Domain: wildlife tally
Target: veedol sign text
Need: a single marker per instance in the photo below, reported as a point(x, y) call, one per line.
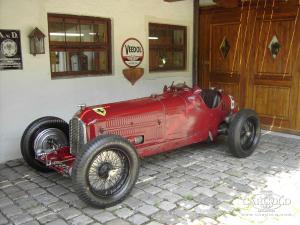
point(132, 52)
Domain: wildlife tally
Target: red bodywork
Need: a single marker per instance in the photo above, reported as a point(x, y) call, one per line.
point(176, 118)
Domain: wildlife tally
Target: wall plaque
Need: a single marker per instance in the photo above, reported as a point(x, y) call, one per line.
point(132, 52)
point(10, 50)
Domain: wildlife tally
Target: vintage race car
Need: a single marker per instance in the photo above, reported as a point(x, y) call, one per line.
point(101, 146)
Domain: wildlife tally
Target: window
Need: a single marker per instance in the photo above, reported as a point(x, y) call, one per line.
point(79, 45)
point(167, 47)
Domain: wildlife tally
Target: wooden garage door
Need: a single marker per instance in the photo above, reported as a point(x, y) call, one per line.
point(225, 70)
point(252, 52)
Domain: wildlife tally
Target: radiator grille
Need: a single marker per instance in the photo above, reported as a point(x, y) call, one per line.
point(77, 135)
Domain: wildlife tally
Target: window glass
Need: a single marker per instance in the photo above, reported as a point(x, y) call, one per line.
point(72, 32)
point(56, 31)
point(58, 61)
point(178, 59)
point(178, 37)
point(103, 60)
point(167, 47)
point(87, 31)
point(79, 45)
point(93, 32)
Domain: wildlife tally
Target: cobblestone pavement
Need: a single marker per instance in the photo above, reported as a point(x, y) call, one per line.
point(199, 184)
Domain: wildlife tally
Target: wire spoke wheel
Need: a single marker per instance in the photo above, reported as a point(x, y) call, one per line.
point(108, 172)
point(105, 171)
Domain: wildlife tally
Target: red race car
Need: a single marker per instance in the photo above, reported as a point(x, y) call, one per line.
point(101, 146)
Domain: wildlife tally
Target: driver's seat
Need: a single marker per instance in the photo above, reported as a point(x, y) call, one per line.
point(211, 97)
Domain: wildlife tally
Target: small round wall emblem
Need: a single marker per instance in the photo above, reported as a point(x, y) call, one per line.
point(9, 48)
point(132, 52)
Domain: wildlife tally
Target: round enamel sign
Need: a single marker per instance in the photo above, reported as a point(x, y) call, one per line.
point(132, 52)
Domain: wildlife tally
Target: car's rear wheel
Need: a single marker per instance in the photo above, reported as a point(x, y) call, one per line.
point(244, 133)
point(42, 134)
point(106, 171)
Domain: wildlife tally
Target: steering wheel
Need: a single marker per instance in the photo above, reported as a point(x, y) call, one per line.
point(180, 86)
point(176, 87)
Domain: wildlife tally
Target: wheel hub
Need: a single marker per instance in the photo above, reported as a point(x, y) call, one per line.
point(248, 134)
point(49, 139)
point(104, 169)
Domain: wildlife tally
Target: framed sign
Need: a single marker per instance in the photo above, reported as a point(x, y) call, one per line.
point(10, 50)
point(132, 52)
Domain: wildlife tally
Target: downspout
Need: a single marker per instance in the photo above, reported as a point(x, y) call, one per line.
point(195, 42)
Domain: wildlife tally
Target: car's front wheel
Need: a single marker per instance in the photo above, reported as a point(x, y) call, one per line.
point(244, 133)
point(43, 134)
point(105, 171)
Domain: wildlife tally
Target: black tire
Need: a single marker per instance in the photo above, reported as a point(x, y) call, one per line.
point(85, 171)
point(30, 134)
point(244, 133)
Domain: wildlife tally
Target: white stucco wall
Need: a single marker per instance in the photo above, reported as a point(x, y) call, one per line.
point(30, 93)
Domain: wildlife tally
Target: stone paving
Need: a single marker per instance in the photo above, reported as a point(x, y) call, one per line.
point(199, 184)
